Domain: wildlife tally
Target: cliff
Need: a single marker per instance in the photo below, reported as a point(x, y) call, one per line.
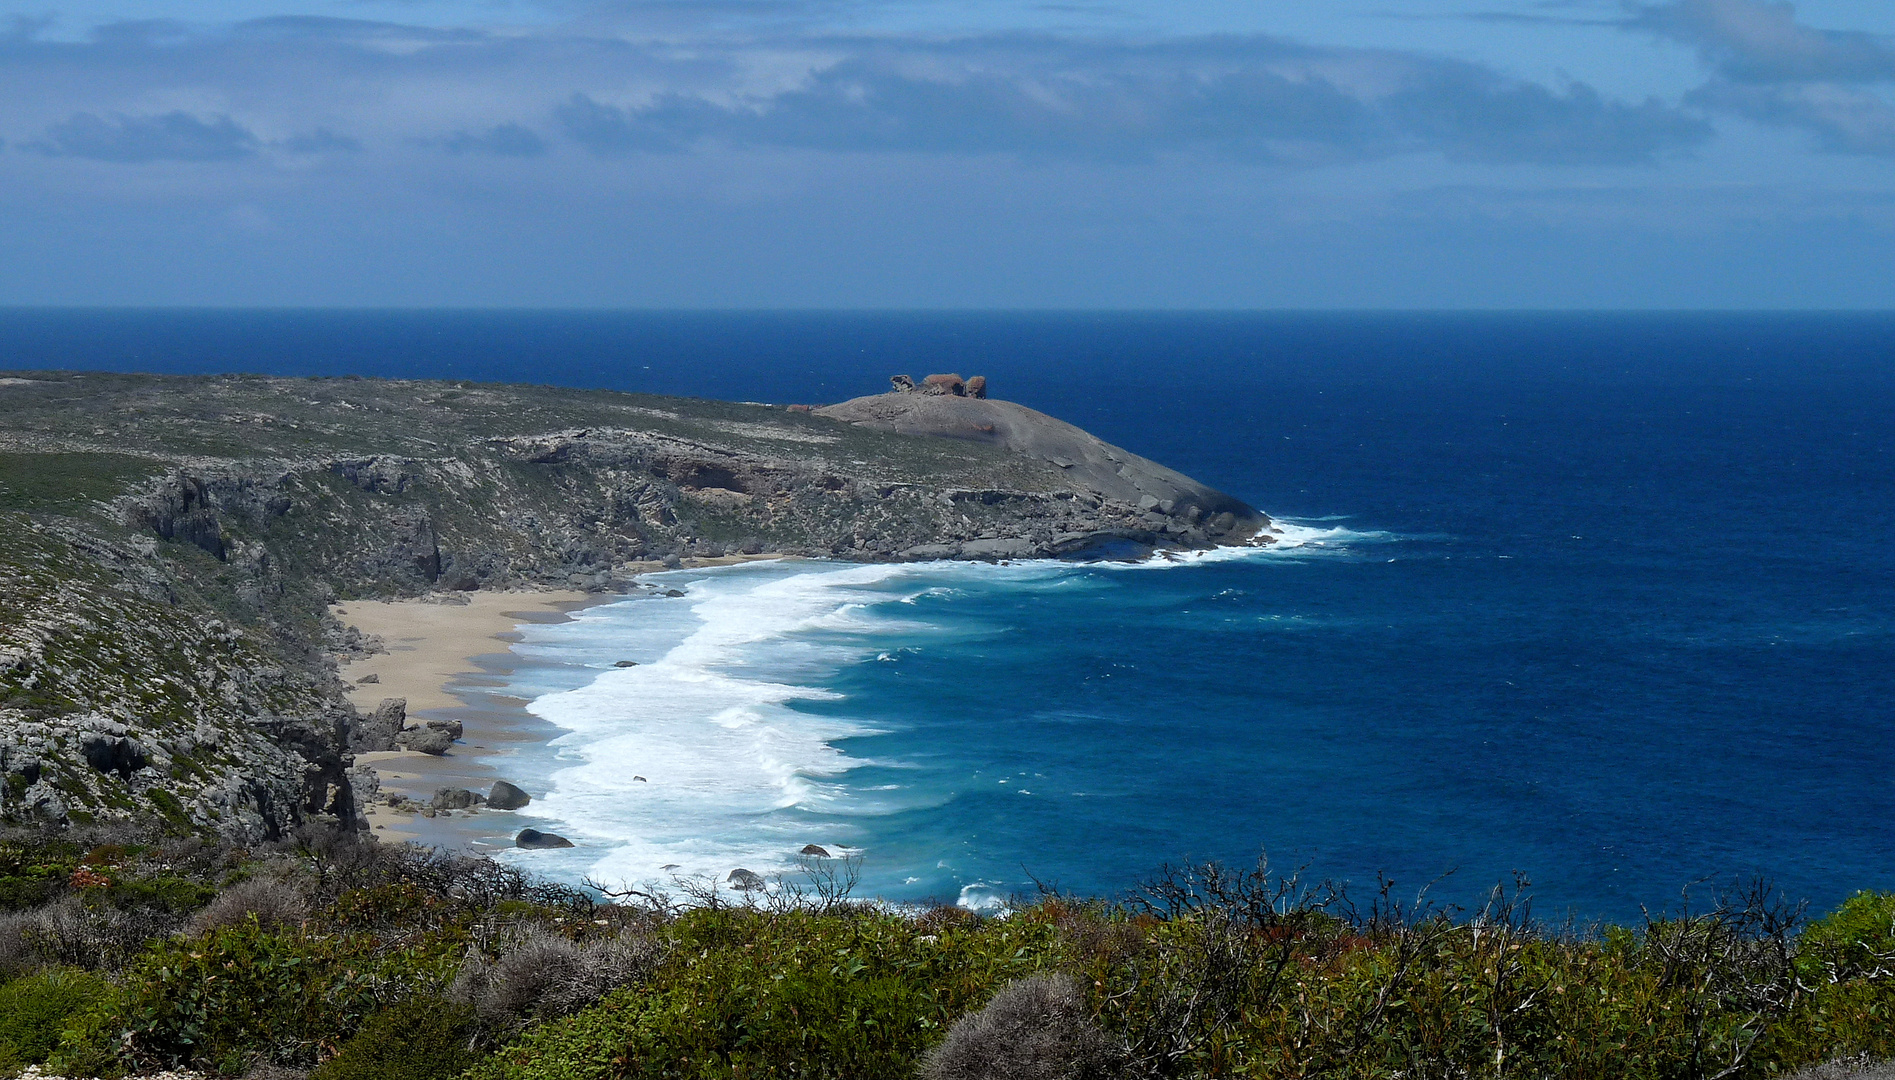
point(168, 545)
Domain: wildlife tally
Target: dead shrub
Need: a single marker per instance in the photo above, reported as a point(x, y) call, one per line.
point(16, 949)
point(272, 901)
point(540, 974)
point(1036, 1028)
point(68, 933)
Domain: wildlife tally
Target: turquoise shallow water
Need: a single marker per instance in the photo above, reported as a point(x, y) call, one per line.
point(1605, 600)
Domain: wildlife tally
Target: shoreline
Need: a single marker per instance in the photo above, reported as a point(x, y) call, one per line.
point(438, 647)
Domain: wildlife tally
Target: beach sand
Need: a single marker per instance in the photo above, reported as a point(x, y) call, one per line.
point(434, 642)
point(440, 641)
point(431, 641)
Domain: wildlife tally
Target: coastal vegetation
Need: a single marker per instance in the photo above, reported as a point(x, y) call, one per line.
point(186, 882)
point(336, 958)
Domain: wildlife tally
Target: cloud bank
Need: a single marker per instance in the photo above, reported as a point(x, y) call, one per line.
point(763, 154)
point(1253, 98)
point(1769, 67)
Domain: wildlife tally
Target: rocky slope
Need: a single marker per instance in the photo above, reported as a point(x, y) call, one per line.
point(168, 546)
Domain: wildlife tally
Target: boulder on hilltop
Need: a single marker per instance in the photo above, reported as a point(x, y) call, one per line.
point(1090, 464)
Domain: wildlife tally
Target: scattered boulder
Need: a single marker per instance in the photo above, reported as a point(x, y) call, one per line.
point(113, 754)
point(379, 730)
point(425, 740)
point(674, 593)
point(817, 850)
point(977, 386)
point(745, 880)
point(626, 663)
point(641, 779)
point(505, 796)
point(537, 840)
point(453, 727)
point(455, 799)
point(944, 386)
point(368, 680)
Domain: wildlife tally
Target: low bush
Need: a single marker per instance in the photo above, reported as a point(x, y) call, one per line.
point(849, 994)
point(426, 1038)
point(247, 989)
point(35, 1011)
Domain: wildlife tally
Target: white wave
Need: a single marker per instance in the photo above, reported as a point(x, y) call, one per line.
point(1284, 537)
point(732, 774)
point(983, 897)
point(704, 757)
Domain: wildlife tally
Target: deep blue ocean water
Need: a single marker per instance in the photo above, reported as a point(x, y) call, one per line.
point(1605, 599)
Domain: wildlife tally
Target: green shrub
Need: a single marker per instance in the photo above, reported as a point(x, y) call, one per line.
point(247, 988)
point(35, 1010)
point(1857, 939)
point(425, 1038)
point(745, 994)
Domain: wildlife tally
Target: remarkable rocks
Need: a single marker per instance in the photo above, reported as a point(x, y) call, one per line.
point(1163, 506)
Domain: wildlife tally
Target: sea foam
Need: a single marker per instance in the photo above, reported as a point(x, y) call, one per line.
point(732, 774)
point(707, 755)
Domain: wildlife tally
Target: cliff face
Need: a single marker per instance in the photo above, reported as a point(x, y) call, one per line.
point(168, 546)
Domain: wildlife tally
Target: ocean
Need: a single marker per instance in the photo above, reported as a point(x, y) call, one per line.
point(1603, 600)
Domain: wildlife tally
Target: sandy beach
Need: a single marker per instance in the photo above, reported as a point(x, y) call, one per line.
point(437, 641)
point(433, 641)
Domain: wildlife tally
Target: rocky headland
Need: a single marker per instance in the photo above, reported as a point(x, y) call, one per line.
point(170, 547)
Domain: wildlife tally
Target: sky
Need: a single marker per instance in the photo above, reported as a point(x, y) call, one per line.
point(1130, 154)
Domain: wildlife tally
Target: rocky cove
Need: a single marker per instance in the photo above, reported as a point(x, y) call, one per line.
point(172, 546)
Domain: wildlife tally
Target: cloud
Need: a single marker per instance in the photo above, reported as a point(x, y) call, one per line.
point(501, 140)
point(1769, 68)
point(1844, 119)
point(173, 136)
point(1471, 114)
point(1755, 41)
point(1256, 99)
